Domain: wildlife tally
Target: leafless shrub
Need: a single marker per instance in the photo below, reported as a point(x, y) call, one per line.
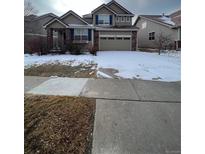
point(163, 42)
point(35, 45)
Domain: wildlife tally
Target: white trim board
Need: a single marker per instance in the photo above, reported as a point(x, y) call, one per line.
point(115, 36)
point(115, 29)
point(55, 19)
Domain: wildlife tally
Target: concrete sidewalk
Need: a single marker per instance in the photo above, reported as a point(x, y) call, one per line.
point(31, 82)
point(135, 90)
point(132, 116)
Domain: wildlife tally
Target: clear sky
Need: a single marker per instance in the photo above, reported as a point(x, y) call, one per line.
point(82, 7)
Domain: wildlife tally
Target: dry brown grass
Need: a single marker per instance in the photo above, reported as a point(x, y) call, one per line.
point(47, 70)
point(58, 125)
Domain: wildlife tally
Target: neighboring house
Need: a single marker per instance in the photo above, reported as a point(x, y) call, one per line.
point(27, 23)
point(35, 36)
point(151, 26)
point(108, 27)
point(34, 24)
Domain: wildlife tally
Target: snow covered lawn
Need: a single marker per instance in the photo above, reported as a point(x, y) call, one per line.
point(141, 65)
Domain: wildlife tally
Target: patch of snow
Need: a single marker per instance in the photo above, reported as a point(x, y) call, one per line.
point(167, 20)
point(171, 53)
point(55, 76)
point(70, 60)
point(101, 74)
point(141, 65)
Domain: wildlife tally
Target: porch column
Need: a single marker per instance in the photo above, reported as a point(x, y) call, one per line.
point(49, 39)
point(92, 37)
point(60, 38)
point(134, 40)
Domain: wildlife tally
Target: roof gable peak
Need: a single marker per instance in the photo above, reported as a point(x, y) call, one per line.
point(120, 6)
point(53, 20)
point(70, 12)
point(101, 6)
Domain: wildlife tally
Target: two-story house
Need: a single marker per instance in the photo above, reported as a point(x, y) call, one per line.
point(108, 27)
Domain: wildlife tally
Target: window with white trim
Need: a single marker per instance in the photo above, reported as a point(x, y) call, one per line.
point(122, 19)
point(103, 19)
point(81, 34)
point(118, 19)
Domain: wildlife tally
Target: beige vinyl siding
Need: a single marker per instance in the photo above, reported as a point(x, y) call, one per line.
point(89, 20)
point(56, 24)
point(117, 9)
point(143, 33)
point(71, 19)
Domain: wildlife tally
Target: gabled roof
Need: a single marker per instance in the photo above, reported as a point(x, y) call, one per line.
point(105, 6)
point(30, 17)
point(120, 6)
point(176, 13)
point(160, 19)
point(176, 17)
point(75, 14)
point(46, 15)
point(53, 20)
point(87, 15)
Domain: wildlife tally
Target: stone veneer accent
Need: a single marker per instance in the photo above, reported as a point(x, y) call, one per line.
point(134, 40)
point(96, 40)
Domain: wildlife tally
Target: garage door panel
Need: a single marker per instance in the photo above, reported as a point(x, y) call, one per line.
point(111, 43)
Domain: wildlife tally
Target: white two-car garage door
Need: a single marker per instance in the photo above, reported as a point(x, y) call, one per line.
point(115, 43)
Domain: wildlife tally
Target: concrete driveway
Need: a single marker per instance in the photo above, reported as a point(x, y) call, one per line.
point(134, 127)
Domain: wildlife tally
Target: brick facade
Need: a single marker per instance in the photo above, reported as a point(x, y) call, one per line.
point(134, 40)
point(96, 40)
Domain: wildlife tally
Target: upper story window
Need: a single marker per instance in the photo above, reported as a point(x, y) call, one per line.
point(128, 19)
point(103, 19)
point(123, 19)
point(152, 36)
point(118, 19)
point(80, 34)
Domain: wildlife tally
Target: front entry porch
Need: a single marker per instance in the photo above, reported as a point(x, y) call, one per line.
point(59, 43)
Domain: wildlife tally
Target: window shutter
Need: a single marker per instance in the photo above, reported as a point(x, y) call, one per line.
point(89, 34)
point(72, 34)
point(110, 19)
point(96, 19)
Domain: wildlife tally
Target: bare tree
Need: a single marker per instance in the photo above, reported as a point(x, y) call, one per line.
point(163, 42)
point(29, 8)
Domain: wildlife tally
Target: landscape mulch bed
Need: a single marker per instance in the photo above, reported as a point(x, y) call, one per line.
point(58, 125)
point(47, 70)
